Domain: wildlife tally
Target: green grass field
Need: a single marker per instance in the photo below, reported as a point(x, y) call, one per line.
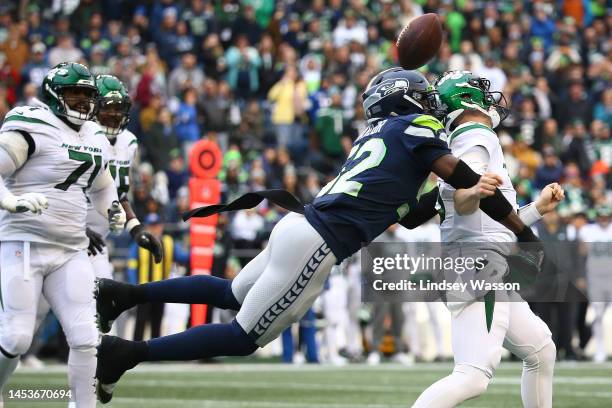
point(356, 386)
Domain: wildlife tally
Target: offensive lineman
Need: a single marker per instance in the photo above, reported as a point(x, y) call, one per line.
point(471, 115)
point(377, 186)
point(112, 115)
point(50, 157)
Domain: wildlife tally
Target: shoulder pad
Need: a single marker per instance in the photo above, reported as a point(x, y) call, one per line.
point(423, 126)
point(474, 128)
point(28, 117)
point(130, 138)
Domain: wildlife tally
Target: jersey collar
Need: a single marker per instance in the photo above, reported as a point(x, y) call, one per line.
point(464, 127)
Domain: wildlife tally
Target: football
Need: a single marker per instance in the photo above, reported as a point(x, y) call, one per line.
point(419, 41)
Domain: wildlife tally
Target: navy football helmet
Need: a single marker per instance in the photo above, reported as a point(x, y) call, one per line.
point(396, 92)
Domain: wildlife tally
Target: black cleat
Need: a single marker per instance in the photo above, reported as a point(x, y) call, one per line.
point(112, 298)
point(115, 357)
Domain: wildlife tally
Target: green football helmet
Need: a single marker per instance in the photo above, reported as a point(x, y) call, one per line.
point(462, 90)
point(70, 92)
point(113, 105)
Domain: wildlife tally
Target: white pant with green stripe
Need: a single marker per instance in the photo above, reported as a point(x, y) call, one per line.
point(66, 278)
point(477, 354)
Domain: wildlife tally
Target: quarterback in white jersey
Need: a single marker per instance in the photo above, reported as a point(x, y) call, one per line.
point(477, 344)
point(596, 244)
point(112, 116)
point(51, 156)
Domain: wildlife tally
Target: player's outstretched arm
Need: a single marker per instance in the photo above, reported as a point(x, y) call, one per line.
point(143, 238)
point(547, 201)
point(14, 152)
point(459, 175)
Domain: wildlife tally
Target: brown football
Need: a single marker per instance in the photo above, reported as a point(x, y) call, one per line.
point(419, 41)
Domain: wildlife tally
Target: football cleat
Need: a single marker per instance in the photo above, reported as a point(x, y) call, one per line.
point(112, 299)
point(115, 357)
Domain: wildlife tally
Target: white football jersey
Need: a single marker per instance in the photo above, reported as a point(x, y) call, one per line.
point(599, 245)
point(476, 227)
point(62, 166)
point(121, 156)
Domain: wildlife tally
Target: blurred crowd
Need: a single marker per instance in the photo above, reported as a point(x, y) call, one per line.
point(277, 85)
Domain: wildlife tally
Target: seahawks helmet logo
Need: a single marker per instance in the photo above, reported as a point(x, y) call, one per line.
point(390, 86)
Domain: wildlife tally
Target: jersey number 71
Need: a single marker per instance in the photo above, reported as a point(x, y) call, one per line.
point(88, 161)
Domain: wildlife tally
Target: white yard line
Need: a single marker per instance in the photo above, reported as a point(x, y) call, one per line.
point(277, 367)
point(186, 403)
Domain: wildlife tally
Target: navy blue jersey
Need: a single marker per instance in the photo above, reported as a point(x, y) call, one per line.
point(379, 182)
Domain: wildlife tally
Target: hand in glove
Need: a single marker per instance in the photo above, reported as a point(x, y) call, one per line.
point(531, 250)
point(34, 202)
point(96, 242)
point(116, 218)
point(147, 241)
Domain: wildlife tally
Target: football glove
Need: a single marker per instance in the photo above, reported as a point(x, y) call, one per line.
point(116, 218)
point(34, 202)
point(96, 242)
point(531, 251)
point(147, 241)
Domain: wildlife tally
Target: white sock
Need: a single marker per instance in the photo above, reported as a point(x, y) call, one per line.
point(464, 383)
point(537, 379)
point(81, 373)
point(7, 367)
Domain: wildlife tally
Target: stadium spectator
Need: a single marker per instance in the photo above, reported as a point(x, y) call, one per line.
point(15, 47)
point(160, 140)
point(186, 122)
point(242, 63)
point(65, 50)
point(186, 75)
point(550, 171)
point(245, 229)
point(288, 97)
point(37, 67)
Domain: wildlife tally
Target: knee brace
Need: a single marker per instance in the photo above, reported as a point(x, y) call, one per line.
point(543, 359)
point(474, 381)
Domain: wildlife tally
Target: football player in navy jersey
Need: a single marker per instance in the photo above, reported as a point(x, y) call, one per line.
point(377, 187)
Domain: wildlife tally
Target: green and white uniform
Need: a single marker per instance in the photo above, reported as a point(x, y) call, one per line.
point(122, 155)
point(62, 164)
point(474, 143)
point(120, 159)
point(478, 340)
point(46, 254)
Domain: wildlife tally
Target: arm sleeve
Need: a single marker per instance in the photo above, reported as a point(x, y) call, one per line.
point(529, 214)
point(7, 168)
point(423, 212)
point(14, 150)
point(103, 192)
point(19, 145)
